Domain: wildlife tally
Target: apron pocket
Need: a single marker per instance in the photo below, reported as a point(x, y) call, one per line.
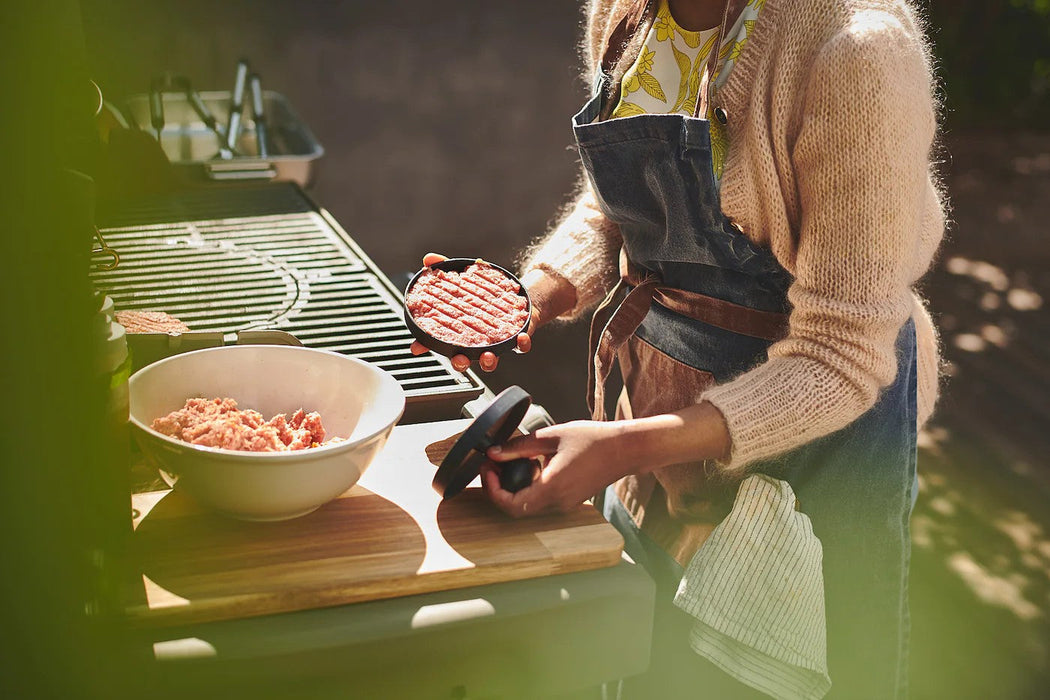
point(657, 383)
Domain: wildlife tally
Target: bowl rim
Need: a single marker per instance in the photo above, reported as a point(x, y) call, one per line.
point(318, 451)
point(472, 351)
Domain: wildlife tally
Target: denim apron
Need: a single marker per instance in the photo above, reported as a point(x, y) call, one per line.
point(720, 302)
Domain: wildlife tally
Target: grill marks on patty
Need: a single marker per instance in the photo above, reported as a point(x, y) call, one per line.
point(480, 306)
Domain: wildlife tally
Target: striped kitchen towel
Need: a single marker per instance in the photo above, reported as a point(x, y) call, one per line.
point(757, 593)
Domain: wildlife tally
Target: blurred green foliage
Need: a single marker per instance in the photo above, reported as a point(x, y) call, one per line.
point(993, 60)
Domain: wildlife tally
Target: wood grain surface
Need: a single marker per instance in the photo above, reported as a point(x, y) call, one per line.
point(390, 535)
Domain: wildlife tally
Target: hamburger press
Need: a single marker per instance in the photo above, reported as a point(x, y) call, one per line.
point(494, 426)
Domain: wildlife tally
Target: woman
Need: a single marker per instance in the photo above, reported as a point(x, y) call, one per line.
point(763, 191)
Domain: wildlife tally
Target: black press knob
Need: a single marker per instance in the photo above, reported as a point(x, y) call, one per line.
point(516, 474)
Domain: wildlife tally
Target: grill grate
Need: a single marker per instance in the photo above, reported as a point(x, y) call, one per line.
point(289, 271)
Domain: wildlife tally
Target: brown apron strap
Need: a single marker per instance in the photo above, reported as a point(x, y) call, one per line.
point(623, 33)
point(609, 332)
point(767, 325)
point(723, 314)
point(599, 322)
point(705, 95)
point(618, 317)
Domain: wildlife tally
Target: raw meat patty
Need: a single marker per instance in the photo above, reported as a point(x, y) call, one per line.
point(479, 306)
point(150, 322)
point(219, 423)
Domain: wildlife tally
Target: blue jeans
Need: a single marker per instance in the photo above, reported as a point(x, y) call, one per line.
point(858, 486)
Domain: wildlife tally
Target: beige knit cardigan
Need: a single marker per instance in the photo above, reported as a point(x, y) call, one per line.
point(832, 119)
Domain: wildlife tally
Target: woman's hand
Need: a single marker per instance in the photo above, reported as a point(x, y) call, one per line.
point(583, 457)
point(551, 296)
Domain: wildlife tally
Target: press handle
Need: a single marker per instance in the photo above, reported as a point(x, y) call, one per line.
point(516, 474)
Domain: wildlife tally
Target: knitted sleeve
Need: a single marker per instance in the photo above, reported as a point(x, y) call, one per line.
point(861, 159)
point(584, 249)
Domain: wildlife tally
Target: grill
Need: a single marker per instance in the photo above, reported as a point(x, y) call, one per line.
point(264, 257)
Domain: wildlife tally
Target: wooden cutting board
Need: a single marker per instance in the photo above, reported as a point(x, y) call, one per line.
point(388, 536)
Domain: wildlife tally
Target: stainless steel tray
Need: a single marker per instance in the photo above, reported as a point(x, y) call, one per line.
point(189, 143)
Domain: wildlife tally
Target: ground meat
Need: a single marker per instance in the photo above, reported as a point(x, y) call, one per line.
point(480, 306)
point(219, 423)
point(150, 322)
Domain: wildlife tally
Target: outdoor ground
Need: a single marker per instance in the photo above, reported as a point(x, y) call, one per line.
point(981, 529)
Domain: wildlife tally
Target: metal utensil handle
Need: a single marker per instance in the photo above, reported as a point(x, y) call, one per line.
point(259, 116)
point(156, 106)
point(104, 249)
point(201, 109)
point(233, 128)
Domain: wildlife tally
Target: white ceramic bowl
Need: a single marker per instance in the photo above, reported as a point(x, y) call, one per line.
point(357, 401)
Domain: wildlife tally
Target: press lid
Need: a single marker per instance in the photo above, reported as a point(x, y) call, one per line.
point(494, 426)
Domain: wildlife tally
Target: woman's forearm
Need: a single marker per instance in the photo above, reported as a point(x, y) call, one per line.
point(697, 432)
point(552, 295)
point(583, 457)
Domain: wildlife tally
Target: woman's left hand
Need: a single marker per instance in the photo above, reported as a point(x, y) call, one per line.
point(582, 458)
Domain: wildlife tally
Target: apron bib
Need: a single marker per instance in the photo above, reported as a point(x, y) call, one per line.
point(698, 303)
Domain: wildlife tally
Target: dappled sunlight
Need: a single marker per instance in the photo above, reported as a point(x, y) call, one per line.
point(994, 334)
point(1030, 165)
point(994, 292)
point(1024, 299)
point(1005, 592)
point(942, 506)
point(1001, 555)
point(990, 302)
point(985, 562)
point(931, 437)
point(970, 342)
point(1029, 537)
point(988, 334)
point(981, 528)
point(990, 274)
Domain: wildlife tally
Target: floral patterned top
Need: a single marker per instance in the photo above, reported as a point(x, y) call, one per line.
point(666, 75)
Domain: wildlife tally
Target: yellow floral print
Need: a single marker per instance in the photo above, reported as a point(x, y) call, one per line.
point(662, 25)
point(673, 55)
point(639, 77)
point(645, 60)
point(738, 46)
